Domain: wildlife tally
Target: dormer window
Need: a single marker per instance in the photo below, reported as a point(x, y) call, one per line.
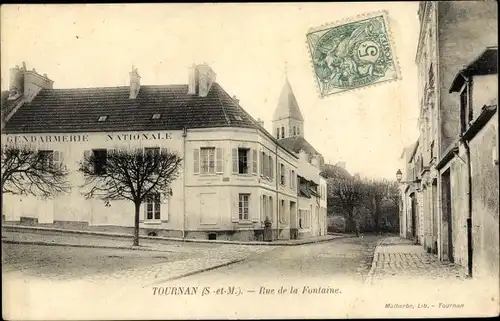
point(237, 117)
point(102, 119)
point(156, 116)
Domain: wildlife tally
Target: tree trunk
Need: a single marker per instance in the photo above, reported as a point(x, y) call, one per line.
point(136, 223)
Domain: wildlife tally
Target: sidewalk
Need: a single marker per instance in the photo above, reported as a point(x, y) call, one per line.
point(126, 238)
point(399, 260)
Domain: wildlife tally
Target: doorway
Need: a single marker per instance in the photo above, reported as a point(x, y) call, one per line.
point(413, 216)
point(447, 216)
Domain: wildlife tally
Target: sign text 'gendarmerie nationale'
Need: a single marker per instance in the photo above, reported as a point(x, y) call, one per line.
point(75, 138)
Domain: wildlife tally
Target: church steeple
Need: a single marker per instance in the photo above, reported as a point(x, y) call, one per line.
point(287, 118)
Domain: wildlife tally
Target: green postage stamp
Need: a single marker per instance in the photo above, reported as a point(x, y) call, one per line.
point(352, 54)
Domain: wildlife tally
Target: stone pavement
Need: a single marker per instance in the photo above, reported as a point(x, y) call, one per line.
point(396, 258)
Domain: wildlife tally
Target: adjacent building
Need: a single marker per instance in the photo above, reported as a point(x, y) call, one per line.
point(456, 161)
point(234, 174)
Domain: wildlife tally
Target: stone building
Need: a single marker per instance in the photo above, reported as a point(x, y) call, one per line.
point(470, 168)
point(234, 173)
point(453, 34)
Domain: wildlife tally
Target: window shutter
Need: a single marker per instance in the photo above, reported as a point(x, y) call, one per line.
point(220, 159)
point(196, 158)
point(56, 159)
point(271, 168)
point(254, 161)
point(262, 155)
point(235, 160)
point(254, 211)
point(164, 205)
point(235, 207)
point(86, 157)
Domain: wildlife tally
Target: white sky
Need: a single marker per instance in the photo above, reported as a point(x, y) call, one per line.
point(246, 45)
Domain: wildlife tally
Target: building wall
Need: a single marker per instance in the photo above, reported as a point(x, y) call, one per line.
point(485, 217)
point(199, 204)
point(465, 28)
point(484, 92)
point(73, 206)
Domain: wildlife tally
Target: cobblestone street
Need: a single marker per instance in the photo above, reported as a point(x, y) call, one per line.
point(397, 258)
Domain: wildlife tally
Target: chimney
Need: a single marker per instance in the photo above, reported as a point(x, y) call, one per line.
point(192, 83)
point(236, 100)
point(34, 82)
point(16, 88)
point(135, 83)
point(201, 78)
point(260, 122)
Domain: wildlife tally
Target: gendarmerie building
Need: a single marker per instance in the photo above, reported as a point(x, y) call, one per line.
point(234, 173)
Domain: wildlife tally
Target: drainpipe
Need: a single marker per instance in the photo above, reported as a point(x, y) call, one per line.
point(184, 134)
point(469, 209)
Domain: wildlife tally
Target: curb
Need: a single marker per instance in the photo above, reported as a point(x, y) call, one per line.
point(173, 278)
point(15, 228)
point(84, 246)
point(369, 277)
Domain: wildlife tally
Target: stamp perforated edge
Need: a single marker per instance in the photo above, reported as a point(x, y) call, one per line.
point(337, 23)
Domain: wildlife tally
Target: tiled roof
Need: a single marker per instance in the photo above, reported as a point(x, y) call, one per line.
point(77, 110)
point(485, 64)
point(8, 105)
point(298, 143)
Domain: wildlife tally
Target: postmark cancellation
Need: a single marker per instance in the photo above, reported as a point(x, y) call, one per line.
point(353, 53)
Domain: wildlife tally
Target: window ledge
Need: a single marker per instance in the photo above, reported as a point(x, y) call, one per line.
point(152, 222)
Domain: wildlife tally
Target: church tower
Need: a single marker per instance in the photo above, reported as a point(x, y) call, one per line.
point(287, 118)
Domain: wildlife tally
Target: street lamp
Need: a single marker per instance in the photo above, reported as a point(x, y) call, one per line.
point(399, 176)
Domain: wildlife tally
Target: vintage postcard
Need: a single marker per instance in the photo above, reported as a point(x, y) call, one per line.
point(249, 161)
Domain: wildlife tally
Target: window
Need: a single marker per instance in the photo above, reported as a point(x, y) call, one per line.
point(282, 174)
point(432, 150)
point(282, 132)
point(153, 207)
point(294, 131)
point(243, 206)
point(237, 117)
point(100, 159)
point(152, 152)
point(207, 155)
point(46, 158)
point(243, 160)
point(466, 114)
point(262, 158)
point(156, 116)
point(278, 133)
point(102, 118)
point(282, 211)
point(298, 130)
point(292, 180)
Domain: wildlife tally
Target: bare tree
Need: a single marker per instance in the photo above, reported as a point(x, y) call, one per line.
point(132, 175)
point(376, 191)
point(26, 171)
point(349, 194)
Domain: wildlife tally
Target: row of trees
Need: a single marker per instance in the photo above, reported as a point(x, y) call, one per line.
point(371, 205)
point(131, 175)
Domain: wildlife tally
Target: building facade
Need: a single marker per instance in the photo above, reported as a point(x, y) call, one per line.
point(456, 105)
point(234, 173)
